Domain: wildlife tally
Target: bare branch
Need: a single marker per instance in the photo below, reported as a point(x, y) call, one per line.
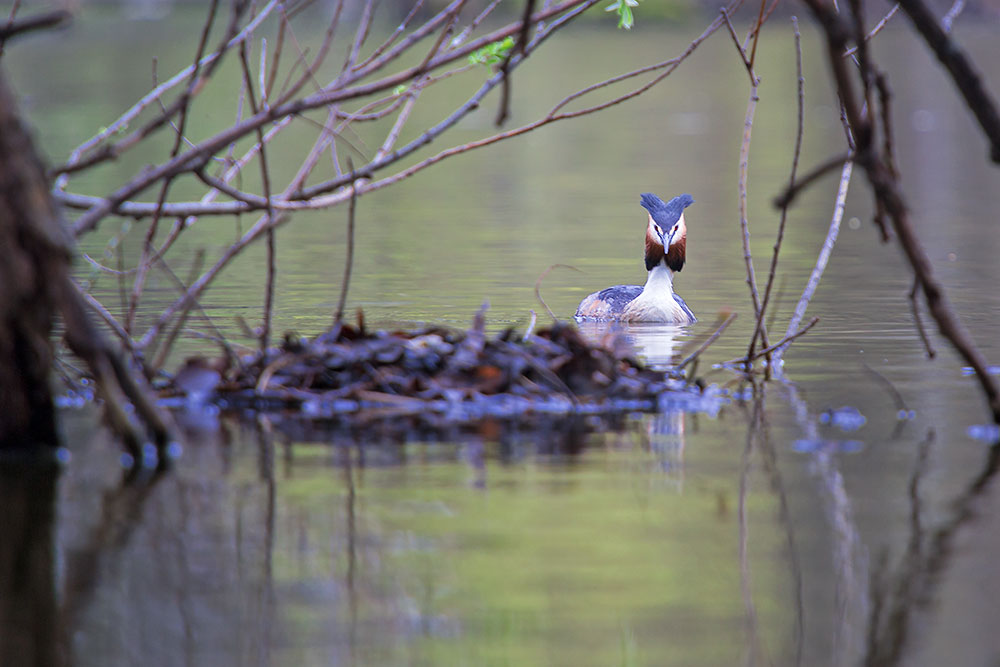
point(876, 30)
point(948, 19)
point(182, 106)
point(13, 28)
point(736, 43)
point(786, 340)
point(400, 29)
point(742, 186)
point(110, 151)
point(886, 189)
point(756, 35)
point(199, 155)
point(265, 330)
point(759, 328)
point(538, 287)
point(521, 47)
point(785, 199)
point(708, 341)
point(361, 34)
point(338, 316)
point(915, 307)
point(967, 79)
point(824, 253)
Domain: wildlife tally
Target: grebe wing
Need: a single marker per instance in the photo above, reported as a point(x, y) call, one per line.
point(683, 305)
point(608, 302)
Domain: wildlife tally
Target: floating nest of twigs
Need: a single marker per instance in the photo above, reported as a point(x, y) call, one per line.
point(461, 375)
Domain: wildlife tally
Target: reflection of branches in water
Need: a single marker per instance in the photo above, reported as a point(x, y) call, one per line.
point(121, 513)
point(758, 438)
point(896, 599)
point(350, 511)
point(769, 459)
point(750, 610)
point(849, 556)
point(265, 595)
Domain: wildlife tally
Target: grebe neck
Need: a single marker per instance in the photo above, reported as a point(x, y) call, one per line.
point(660, 279)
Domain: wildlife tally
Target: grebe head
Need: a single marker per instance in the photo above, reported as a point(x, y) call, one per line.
point(666, 234)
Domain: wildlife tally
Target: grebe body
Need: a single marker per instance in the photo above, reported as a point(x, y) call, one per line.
point(665, 250)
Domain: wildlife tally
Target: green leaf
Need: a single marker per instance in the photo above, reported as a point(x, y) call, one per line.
point(492, 54)
point(624, 10)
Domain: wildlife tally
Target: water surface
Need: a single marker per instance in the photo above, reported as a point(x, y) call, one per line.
point(757, 533)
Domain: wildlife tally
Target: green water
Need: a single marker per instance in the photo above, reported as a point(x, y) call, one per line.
point(682, 539)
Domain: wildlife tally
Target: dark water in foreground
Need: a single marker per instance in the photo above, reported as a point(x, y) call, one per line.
point(757, 531)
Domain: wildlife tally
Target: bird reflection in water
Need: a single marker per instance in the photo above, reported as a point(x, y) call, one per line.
point(658, 346)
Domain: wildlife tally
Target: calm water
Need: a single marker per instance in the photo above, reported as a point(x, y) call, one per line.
point(755, 533)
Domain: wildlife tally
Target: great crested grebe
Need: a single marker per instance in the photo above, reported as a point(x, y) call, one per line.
point(666, 245)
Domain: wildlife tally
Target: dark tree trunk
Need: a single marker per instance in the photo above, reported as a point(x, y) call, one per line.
point(29, 619)
point(34, 254)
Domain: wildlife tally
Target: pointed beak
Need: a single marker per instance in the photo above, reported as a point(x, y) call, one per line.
point(666, 238)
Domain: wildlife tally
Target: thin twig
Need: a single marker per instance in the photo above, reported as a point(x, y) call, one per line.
point(104, 314)
point(520, 47)
point(199, 74)
point(361, 34)
point(265, 331)
point(290, 88)
point(181, 106)
point(164, 350)
point(824, 254)
point(756, 35)
point(279, 45)
point(538, 286)
point(876, 30)
point(531, 326)
point(349, 261)
point(963, 72)
point(708, 341)
point(203, 152)
point(786, 340)
point(759, 328)
point(77, 161)
point(736, 42)
point(948, 19)
point(400, 29)
point(13, 27)
point(786, 198)
point(742, 186)
point(918, 321)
